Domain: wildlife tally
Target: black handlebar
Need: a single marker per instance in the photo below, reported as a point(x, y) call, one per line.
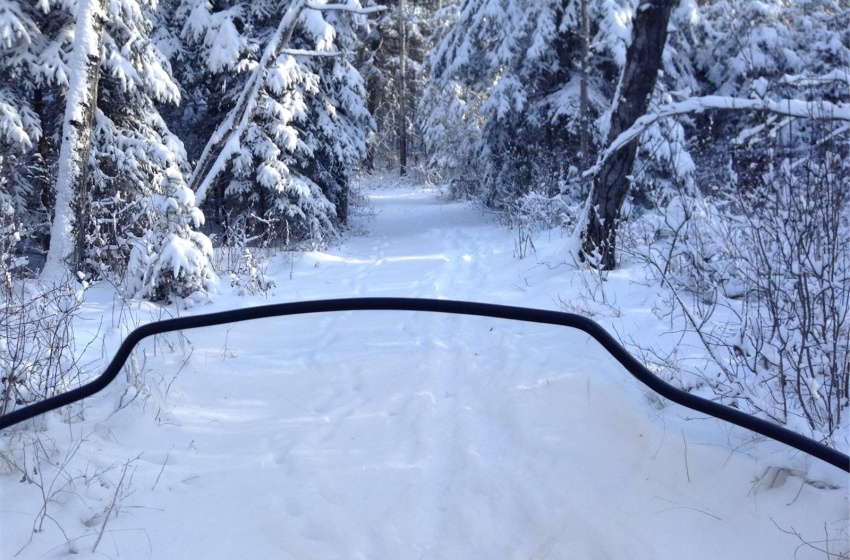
point(570, 320)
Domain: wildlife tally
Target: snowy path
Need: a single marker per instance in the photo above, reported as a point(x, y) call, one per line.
point(406, 436)
point(417, 246)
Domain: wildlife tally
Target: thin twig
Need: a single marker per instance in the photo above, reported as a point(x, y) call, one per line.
point(111, 505)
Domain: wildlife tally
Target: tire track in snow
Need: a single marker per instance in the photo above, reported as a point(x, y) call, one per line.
point(440, 439)
point(418, 245)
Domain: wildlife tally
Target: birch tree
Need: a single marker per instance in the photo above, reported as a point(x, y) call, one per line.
point(81, 101)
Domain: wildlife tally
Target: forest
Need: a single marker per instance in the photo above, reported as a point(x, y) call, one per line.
point(705, 141)
point(135, 132)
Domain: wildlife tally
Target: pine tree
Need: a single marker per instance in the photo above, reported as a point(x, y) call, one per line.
point(25, 50)
point(514, 70)
point(279, 171)
point(117, 167)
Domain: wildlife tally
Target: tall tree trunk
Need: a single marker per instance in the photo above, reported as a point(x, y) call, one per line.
point(402, 80)
point(584, 111)
point(80, 105)
point(373, 102)
point(611, 182)
point(342, 204)
point(43, 178)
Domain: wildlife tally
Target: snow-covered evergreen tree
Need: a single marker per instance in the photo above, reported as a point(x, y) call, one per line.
point(283, 177)
point(28, 67)
point(142, 219)
point(114, 219)
point(768, 50)
point(513, 69)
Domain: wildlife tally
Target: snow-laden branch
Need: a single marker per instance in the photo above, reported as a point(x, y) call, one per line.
point(346, 8)
point(302, 52)
point(791, 108)
point(835, 76)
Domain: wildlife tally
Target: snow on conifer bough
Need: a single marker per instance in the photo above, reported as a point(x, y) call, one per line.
point(629, 362)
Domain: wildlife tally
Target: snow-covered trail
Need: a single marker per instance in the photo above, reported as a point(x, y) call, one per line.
point(413, 435)
point(418, 245)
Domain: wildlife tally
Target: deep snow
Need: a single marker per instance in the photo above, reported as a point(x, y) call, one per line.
point(411, 435)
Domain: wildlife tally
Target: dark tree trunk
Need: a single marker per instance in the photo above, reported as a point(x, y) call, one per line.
point(611, 182)
point(584, 110)
point(373, 103)
point(342, 205)
point(402, 80)
point(42, 177)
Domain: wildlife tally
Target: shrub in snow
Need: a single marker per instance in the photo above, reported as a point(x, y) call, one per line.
point(535, 213)
point(10, 237)
point(248, 277)
point(168, 259)
point(37, 351)
point(796, 274)
point(244, 266)
point(761, 277)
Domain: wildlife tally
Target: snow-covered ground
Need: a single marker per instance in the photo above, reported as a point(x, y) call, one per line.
point(401, 435)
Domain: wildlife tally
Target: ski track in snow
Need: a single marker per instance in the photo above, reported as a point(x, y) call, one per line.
point(407, 436)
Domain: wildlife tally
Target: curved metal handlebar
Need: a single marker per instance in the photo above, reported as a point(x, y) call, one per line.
point(637, 369)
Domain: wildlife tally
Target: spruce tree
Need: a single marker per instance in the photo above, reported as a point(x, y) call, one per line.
point(278, 173)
